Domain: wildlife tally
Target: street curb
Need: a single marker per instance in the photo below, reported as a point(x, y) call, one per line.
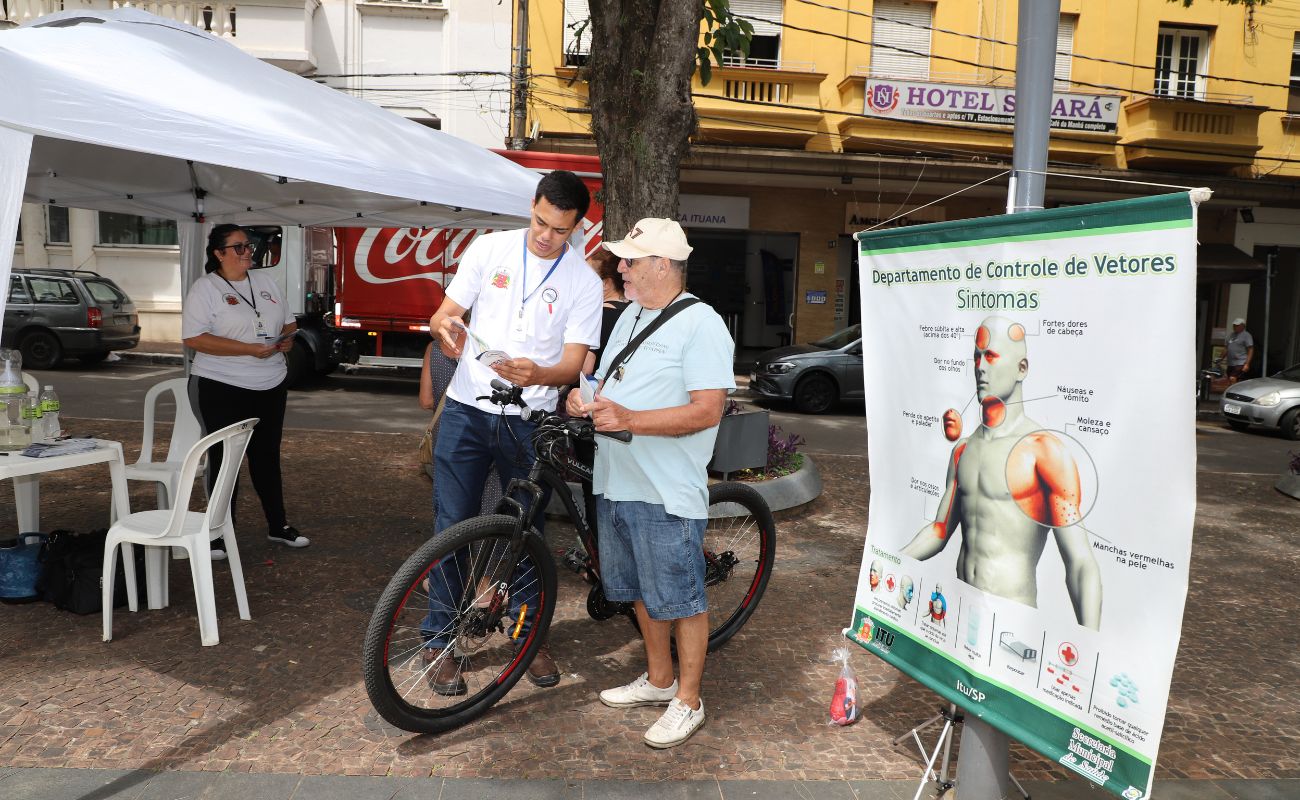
point(175, 359)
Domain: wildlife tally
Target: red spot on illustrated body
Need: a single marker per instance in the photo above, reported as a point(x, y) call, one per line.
point(1016, 332)
point(982, 337)
point(952, 425)
point(994, 411)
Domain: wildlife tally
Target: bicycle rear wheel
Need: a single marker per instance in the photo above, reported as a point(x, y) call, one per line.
point(462, 604)
point(739, 549)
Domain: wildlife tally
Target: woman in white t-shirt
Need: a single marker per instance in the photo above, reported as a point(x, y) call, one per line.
point(239, 327)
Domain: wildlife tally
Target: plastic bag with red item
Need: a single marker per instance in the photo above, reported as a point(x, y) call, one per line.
point(844, 703)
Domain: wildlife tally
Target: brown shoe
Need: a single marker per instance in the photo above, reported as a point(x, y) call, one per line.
point(443, 672)
point(543, 672)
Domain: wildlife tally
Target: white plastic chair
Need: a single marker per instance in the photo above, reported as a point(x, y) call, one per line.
point(185, 432)
point(192, 530)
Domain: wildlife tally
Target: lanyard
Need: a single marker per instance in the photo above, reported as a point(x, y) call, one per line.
point(251, 291)
point(523, 277)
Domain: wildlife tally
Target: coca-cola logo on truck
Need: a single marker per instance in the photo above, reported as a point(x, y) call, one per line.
point(389, 255)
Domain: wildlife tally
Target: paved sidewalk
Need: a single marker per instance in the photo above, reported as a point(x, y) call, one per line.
point(106, 784)
point(277, 710)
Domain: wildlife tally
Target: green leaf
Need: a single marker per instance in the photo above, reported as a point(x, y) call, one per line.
point(706, 72)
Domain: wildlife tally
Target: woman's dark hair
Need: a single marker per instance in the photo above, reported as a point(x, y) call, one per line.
point(606, 264)
point(217, 240)
point(565, 191)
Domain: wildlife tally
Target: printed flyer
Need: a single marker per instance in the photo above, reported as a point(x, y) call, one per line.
point(1030, 386)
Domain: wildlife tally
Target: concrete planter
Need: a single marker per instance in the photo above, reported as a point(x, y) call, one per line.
point(1289, 485)
point(741, 442)
point(789, 491)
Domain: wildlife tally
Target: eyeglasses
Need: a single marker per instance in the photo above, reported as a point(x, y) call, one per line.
point(240, 248)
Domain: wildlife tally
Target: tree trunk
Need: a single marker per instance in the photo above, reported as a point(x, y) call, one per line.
point(639, 72)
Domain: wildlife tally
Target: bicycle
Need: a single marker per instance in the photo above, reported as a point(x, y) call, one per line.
point(495, 563)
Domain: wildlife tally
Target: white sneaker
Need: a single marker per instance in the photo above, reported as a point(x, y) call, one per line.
point(640, 692)
point(676, 725)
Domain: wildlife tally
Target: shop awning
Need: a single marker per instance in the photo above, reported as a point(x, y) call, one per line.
point(1217, 263)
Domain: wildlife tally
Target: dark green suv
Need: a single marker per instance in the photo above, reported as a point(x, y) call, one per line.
point(53, 313)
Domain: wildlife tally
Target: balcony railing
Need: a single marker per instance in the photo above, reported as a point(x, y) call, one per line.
point(748, 105)
point(737, 60)
point(1177, 132)
point(219, 19)
point(21, 11)
point(214, 17)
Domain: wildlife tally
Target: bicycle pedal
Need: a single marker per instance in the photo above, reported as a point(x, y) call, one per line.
point(575, 560)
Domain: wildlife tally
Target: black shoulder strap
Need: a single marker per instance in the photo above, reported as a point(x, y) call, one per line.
point(668, 313)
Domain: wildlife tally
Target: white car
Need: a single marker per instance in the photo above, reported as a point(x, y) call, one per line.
point(1272, 402)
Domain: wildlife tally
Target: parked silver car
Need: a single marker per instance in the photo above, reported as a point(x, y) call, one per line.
point(816, 375)
point(1272, 402)
point(54, 313)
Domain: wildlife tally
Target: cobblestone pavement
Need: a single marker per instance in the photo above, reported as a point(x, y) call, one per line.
point(282, 693)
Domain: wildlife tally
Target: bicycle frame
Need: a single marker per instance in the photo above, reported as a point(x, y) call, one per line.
point(543, 476)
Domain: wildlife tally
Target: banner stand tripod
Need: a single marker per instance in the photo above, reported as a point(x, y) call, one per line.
point(951, 717)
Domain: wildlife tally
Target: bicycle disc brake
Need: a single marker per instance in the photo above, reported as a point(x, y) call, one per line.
point(718, 566)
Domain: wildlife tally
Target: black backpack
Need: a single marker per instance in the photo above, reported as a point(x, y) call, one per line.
point(71, 566)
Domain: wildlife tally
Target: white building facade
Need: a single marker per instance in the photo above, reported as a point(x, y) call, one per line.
point(441, 63)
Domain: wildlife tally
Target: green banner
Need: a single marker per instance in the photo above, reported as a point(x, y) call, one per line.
point(1030, 524)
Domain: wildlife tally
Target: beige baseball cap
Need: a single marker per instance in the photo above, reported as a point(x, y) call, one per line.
point(652, 237)
point(1239, 321)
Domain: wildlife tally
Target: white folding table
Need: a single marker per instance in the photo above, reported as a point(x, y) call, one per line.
point(26, 474)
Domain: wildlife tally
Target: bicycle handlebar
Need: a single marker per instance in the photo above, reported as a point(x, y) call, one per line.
point(504, 394)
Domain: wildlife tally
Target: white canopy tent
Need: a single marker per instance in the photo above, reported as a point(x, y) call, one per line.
point(128, 112)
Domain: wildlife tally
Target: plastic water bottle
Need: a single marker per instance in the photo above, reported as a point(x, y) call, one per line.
point(49, 414)
point(30, 409)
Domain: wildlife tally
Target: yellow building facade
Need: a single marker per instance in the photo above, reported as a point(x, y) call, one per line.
point(854, 113)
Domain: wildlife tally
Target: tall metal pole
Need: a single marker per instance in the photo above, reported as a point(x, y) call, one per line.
point(519, 82)
point(982, 763)
point(1035, 68)
point(1270, 260)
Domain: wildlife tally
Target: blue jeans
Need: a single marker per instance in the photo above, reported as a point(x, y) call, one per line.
point(650, 555)
point(470, 442)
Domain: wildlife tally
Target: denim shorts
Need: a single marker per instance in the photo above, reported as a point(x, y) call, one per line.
point(650, 555)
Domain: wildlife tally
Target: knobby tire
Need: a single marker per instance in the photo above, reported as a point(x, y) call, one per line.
point(399, 635)
point(751, 539)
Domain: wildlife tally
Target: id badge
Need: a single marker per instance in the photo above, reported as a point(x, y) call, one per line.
point(519, 328)
point(260, 329)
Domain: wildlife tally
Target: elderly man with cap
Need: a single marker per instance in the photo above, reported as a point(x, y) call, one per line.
point(1240, 351)
point(668, 389)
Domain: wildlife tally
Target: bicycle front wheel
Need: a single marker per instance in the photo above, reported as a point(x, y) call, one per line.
point(739, 549)
point(458, 625)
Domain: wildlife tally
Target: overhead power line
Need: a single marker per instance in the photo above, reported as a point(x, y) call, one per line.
point(1007, 43)
point(951, 59)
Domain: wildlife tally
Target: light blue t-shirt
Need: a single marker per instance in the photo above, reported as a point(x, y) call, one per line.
point(690, 352)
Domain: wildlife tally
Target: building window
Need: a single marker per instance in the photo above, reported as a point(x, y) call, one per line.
point(1293, 98)
point(900, 36)
point(765, 45)
point(1181, 56)
point(577, 33)
point(1064, 52)
point(56, 225)
point(117, 228)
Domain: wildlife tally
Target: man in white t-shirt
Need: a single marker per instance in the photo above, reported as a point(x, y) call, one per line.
point(536, 311)
point(652, 494)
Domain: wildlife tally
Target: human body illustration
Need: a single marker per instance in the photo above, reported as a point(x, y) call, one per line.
point(1007, 485)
